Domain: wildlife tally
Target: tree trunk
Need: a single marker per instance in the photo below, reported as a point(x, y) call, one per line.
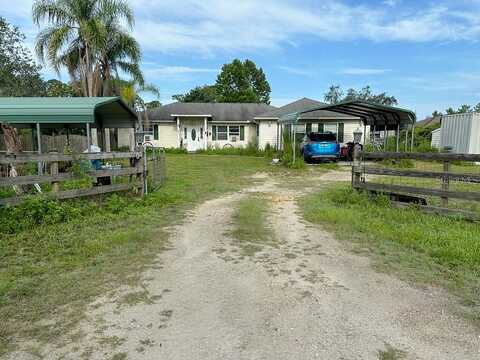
point(13, 145)
point(11, 138)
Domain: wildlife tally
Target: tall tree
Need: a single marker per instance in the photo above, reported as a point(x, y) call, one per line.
point(19, 76)
point(242, 82)
point(335, 95)
point(86, 38)
point(201, 94)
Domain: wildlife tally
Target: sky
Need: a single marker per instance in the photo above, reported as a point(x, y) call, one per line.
point(425, 53)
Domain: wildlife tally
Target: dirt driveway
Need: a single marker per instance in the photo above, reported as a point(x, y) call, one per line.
point(307, 298)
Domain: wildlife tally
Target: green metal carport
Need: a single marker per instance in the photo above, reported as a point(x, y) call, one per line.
point(64, 112)
point(381, 117)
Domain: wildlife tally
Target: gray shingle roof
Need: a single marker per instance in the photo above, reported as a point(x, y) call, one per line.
point(218, 111)
point(303, 104)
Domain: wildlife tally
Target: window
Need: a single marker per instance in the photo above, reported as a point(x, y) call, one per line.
point(242, 133)
point(156, 128)
point(222, 132)
point(185, 133)
point(214, 133)
point(308, 128)
point(233, 132)
point(321, 128)
point(340, 132)
point(330, 128)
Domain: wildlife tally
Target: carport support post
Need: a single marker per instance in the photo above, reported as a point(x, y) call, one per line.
point(88, 137)
point(294, 142)
point(398, 137)
point(413, 135)
point(385, 138)
point(39, 148)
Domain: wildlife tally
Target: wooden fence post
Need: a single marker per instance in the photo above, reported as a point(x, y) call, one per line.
point(53, 172)
point(445, 181)
point(357, 159)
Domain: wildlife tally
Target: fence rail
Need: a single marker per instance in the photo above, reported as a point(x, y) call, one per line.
point(135, 168)
point(364, 165)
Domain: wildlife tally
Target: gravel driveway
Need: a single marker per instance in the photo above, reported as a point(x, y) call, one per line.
point(307, 298)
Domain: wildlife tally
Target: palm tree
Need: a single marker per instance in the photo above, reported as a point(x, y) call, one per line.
point(85, 37)
point(130, 92)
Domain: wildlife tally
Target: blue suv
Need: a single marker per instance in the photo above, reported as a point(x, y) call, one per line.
point(320, 146)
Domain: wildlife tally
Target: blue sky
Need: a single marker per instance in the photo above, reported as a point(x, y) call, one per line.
point(426, 53)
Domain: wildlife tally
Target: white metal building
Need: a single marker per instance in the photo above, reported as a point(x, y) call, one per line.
point(435, 142)
point(460, 133)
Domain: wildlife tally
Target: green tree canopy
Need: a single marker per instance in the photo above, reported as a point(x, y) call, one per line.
point(55, 87)
point(238, 82)
point(19, 75)
point(335, 95)
point(242, 82)
point(202, 94)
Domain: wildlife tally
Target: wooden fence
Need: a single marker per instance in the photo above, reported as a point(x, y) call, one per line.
point(134, 167)
point(374, 164)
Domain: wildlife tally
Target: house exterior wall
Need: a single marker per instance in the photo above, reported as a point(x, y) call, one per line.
point(267, 133)
point(456, 132)
point(167, 135)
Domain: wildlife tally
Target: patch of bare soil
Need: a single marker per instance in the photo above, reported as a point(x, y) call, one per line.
point(305, 297)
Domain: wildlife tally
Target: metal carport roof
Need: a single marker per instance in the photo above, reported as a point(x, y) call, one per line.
point(109, 111)
point(370, 113)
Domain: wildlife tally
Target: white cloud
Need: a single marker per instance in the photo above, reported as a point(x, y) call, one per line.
point(295, 71)
point(209, 26)
point(364, 71)
point(206, 27)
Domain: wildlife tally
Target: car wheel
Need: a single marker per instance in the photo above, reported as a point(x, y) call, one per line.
point(307, 159)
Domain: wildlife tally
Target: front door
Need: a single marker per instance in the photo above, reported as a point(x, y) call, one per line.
point(193, 138)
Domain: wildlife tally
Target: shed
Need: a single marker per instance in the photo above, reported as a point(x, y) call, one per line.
point(435, 143)
point(93, 116)
point(460, 133)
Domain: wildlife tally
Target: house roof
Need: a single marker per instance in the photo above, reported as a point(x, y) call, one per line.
point(228, 112)
point(62, 110)
point(301, 105)
point(429, 121)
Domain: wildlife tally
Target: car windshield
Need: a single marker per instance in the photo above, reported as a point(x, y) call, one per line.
point(322, 137)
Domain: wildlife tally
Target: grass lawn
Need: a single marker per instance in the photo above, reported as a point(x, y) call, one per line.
point(250, 228)
point(52, 264)
point(426, 248)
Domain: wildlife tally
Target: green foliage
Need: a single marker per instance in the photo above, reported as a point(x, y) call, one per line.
point(38, 211)
point(201, 94)
point(238, 82)
point(56, 88)
point(287, 154)
point(242, 82)
point(250, 150)
point(88, 38)
point(19, 75)
point(335, 95)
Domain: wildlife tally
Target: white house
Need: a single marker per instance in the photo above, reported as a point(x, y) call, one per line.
point(197, 126)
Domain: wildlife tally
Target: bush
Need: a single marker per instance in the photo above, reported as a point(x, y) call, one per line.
point(38, 211)
point(287, 155)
